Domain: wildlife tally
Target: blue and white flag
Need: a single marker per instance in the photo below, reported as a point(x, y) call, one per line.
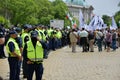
point(113, 25)
point(92, 23)
point(100, 23)
point(81, 20)
point(96, 22)
point(104, 26)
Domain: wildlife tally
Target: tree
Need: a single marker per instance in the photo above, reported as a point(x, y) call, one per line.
point(4, 21)
point(107, 20)
point(32, 11)
point(117, 18)
point(119, 4)
point(60, 8)
point(19, 11)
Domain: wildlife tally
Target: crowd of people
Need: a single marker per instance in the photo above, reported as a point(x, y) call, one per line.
point(104, 38)
point(28, 45)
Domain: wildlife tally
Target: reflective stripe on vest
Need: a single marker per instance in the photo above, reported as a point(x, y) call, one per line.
point(39, 35)
point(43, 35)
point(23, 37)
point(17, 49)
point(34, 54)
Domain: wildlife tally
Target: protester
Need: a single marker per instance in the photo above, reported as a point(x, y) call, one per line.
point(99, 37)
point(84, 39)
point(114, 38)
point(73, 39)
point(91, 38)
point(108, 40)
point(118, 38)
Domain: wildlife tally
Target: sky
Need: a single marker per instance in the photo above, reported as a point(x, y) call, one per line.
point(104, 7)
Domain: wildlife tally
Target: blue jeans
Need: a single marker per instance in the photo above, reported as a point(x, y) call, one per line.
point(99, 43)
point(114, 44)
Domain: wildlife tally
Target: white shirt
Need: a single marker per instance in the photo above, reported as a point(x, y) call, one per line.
point(83, 33)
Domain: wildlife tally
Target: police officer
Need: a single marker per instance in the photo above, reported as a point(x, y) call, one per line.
point(33, 54)
point(2, 41)
point(19, 41)
point(25, 37)
point(14, 56)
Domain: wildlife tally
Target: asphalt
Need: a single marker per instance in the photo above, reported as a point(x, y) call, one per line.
point(62, 64)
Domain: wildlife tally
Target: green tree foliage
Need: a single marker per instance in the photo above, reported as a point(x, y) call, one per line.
point(60, 8)
point(4, 21)
point(119, 4)
point(117, 18)
point(107, 20)
point(32, 11)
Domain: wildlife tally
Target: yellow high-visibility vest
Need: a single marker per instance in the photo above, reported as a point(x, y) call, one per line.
point(23, 37)
point(34, 54)
point(17, 49)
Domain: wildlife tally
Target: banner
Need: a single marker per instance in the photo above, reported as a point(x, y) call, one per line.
point(81, 20)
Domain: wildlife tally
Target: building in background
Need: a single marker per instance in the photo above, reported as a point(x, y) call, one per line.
point(75, 6)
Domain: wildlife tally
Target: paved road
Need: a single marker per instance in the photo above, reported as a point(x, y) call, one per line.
point(65, 65)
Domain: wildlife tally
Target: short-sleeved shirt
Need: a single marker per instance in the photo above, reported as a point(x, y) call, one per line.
point(83, 33)
point(11, 46)
point(19, 41)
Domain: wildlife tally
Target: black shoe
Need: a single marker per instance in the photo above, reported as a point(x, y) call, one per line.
point(45, 57)
point(54, 50)
point(24, 76)
point(83, 51)
point(91, 51)
point(2, 57)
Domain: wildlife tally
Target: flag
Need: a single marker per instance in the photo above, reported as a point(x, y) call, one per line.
point(91, 24)
point(104, 26)
point(69, 17)
point(81, 20)
point(96, 23)
point(99, 23)
point(74, 25)
point(113, 25)
point(89, 28)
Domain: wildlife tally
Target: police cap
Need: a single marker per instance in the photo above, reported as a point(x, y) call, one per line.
point(18, 29)
point(12, 32)
point(34, 34)
point(27, 26)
